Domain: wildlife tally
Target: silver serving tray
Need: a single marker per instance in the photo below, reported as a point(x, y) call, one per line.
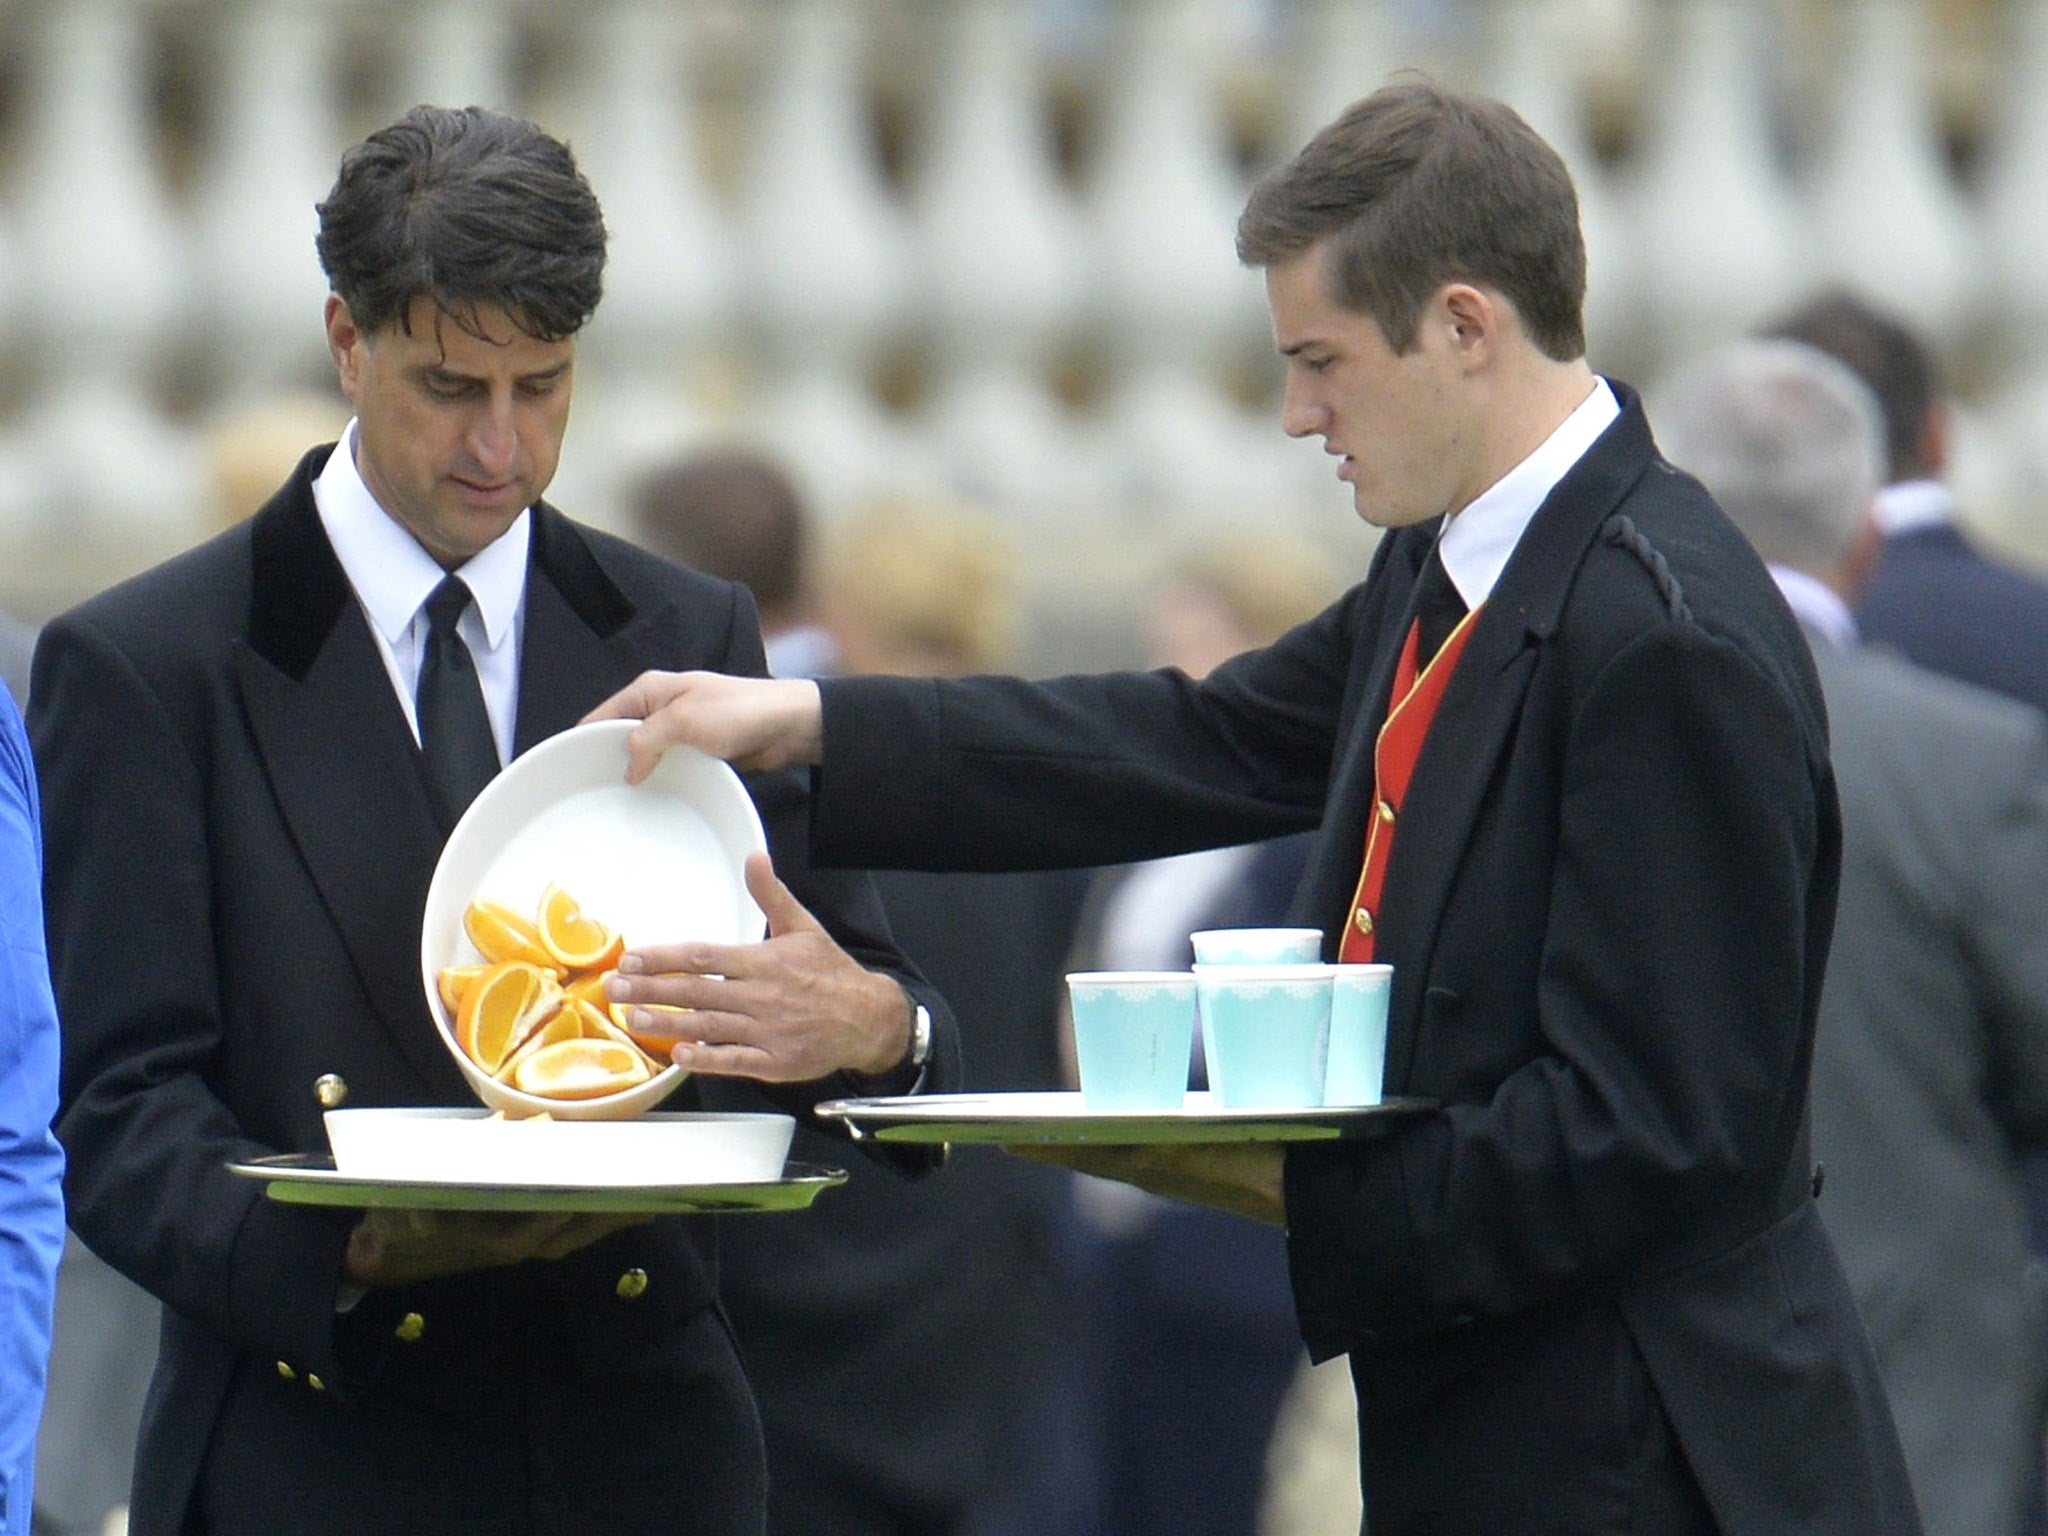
point(1016, 1119)
point(299, 1178)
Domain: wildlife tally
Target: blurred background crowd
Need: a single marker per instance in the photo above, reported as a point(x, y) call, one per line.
point(949, 285)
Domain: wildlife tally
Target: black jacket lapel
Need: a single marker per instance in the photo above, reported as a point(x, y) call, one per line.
point(1483, 701)
point(342, 762)
point(584, 639)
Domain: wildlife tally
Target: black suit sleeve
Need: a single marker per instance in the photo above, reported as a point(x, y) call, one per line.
point(996, 773)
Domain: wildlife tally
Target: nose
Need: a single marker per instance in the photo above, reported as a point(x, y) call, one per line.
point(494, 437)
point(1300, 416)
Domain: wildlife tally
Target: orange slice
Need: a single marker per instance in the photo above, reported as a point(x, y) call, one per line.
point(581, 1069)
point(657, 1046)
point(564, 1023)
point(577, 941)
point(501, 1007)
point(589, 988)
point(602, 1023)
point(453, 981)
point(500, 934)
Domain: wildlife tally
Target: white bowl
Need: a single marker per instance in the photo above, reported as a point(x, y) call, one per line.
point(474, 1146)
point(661, 861)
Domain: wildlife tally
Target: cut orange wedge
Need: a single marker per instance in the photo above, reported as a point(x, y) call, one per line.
point(501, 1007)
point(602, 1023)
point(588, 988)
point(453, 981)
point(657, 1046)
point(565, 1023)
point(576, 941)
point(500, 934)
point(580, 1069)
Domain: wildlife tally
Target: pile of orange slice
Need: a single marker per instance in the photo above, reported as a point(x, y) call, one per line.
point(534, 1014)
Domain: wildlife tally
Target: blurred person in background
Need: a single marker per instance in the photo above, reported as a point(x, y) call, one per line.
point(1930, 1070)
point(31, 1162)
point(1190, 1321)
point(900, 1337)
point(736, 513)
point(252, 447)
point(1935, 596)
point(1588, 1290)
point(248, 779)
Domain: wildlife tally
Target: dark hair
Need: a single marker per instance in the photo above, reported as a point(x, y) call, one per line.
point(729, 513)
point(1886, 356)
point(1415, 187)
point(469, 208)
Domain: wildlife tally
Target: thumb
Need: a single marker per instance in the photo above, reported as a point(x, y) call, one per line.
point(777, 902)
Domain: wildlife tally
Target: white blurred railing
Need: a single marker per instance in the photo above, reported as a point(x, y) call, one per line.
point(970, 246)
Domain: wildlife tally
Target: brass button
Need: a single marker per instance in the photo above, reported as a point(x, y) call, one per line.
point(286, 1371)
point(330, 1090)
point(1386, 811)
point(409, 1328)
point(632, 1285)
point(315, 1382)
point(1363, 919)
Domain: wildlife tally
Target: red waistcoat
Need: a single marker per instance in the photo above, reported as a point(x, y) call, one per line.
point(1413, 707)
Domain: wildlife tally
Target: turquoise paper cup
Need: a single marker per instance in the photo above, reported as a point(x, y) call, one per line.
point(1265, 1033)
point(1133, 1033)
point(1358, 1034)
point(1258, 946)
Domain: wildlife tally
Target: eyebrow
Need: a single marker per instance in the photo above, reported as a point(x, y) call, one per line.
point(442, 373)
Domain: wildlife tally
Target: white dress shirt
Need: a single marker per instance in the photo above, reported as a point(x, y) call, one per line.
point(393, 576)
point(1816, 605)
point(1476, 543)
point(1912, 504)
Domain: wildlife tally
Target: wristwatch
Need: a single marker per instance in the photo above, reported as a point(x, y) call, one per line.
point(920, 1036)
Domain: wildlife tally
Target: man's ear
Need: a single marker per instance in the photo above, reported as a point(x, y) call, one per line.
point(1471, 319)
point(344, 344)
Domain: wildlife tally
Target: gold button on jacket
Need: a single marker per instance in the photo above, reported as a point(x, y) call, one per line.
point(632, 1284)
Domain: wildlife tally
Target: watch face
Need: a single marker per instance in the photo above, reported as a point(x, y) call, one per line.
point(920, 1036)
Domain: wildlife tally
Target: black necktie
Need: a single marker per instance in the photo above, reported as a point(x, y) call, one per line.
point(1438, 608)
point(457, 750)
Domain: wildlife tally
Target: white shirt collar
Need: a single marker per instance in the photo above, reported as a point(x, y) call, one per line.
point(1816, 605)
point(1912, 504)
point(1477, 542)
point(390, 570)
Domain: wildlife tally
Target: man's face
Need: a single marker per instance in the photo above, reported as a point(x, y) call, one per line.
point(456, 434)
point(1398, 421)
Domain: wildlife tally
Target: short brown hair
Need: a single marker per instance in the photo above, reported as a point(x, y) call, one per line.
point(1415, 187)
point(728, 512)
point(1885, 355)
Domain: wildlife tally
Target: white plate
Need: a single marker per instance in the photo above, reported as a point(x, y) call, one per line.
point(1011, 1119)
point(302, 1179)
point(474, 1146)
point(661, 861)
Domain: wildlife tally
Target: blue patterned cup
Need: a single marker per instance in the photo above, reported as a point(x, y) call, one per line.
point(1257, 946)
point(1133, 1033)
point(1265, 1033)
point(1358, 1034)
